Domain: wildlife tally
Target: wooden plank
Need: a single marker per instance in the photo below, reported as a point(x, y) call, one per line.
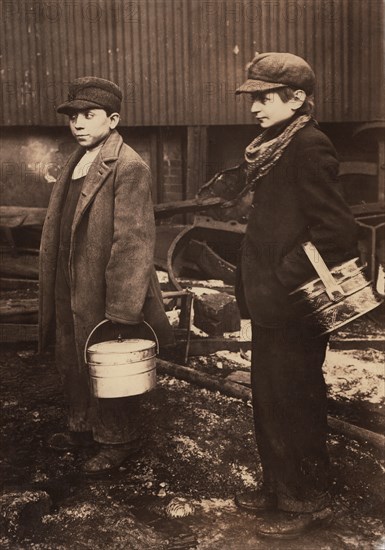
point(368, 208)
point(12, 333)
point(352, 431)
point(355, 167)
point(381, 172)
point(373, 341)
point(159, 164)
point(204, 380)
point(16, 216)
point(154, 165)
point(19, 310)
point(240, 377)
point(196, 162)
point(18, 284)
point(22, 266)
point(189, 205)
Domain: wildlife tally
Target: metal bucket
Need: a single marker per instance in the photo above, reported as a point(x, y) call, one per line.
point(351, 297)
point(122, 367)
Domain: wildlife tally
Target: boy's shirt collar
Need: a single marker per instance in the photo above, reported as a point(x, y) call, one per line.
point(84, 164)
point(109, 151)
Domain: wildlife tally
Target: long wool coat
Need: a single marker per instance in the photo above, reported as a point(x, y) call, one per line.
point(297, 201)
point(112, 246)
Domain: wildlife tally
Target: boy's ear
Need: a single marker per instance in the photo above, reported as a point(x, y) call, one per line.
point(298, 100)
point(114, 120)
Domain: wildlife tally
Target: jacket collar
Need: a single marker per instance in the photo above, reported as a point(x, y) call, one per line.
point(111, 148)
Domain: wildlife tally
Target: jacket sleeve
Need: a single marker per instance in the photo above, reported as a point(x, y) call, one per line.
point(129, 267)
point(330, 225)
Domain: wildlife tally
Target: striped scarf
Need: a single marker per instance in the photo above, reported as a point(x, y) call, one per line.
point(262, 155)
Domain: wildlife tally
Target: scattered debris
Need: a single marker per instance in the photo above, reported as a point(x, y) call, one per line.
point(21, 512)
point(216, 313)
point(179, 507)
point(240, 377)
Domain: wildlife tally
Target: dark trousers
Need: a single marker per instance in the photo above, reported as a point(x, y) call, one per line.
point(290, 415)
point(112, 421)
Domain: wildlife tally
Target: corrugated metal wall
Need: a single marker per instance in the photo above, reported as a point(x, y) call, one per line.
point(179, 61)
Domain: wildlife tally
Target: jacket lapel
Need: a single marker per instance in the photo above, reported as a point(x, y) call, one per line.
point(97, 174)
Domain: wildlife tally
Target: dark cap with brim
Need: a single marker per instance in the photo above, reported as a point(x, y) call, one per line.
point(69, 107)
point(91, 92)
point(251, 86)
point(277, 70)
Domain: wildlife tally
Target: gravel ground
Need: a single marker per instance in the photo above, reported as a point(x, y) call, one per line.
point(199, 451)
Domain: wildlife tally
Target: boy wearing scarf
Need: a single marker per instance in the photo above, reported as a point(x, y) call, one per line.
point(292, 170)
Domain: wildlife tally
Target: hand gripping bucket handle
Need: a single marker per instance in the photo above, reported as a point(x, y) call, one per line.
point(108, 321)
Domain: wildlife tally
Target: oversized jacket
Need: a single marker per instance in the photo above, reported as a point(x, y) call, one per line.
point(112, 246)
point(297, 201)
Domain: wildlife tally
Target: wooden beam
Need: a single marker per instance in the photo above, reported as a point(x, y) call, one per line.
point(154, 164)
point(18, 284)
point(16, 216)
point(12, 333)
point(368, 209)
point(23, 266)
point(181, 207)
point(196, 159)
point(381, 169)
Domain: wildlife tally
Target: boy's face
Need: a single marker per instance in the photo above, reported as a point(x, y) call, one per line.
point(269, 109)
point(92, 126)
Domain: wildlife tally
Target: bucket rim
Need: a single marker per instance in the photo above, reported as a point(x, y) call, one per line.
point(343, 297)
point(94, 347)
point(318, 280)
point(350, 319)
point(127, 362)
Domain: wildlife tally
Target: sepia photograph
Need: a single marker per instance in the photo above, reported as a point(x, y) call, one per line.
point(192, 275)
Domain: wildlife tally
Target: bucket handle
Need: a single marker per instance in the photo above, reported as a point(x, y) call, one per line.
point(108, 321)
point(333, 289)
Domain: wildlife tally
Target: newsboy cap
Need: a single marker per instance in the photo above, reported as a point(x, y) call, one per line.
point(91, 92)
point(276, 70)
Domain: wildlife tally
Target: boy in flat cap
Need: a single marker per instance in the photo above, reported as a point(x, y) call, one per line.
point(292, 171)
point(96, 263)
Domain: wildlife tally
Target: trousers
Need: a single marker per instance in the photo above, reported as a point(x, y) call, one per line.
point(112, 421)
point(290, 415)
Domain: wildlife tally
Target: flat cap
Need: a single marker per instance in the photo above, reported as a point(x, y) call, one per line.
point(277, 70)
point(91, 92)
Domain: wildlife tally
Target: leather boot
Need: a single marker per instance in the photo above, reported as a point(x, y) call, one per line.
point(109, 458)
point(287, 525)
point(256, 500)
point(69, 441)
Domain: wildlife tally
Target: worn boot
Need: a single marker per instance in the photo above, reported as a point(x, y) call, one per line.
point(110, 457)
point(69, 441)
point(287, 525)
point(256, 500)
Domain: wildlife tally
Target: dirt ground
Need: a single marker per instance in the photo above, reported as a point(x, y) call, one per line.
point(199, 451)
